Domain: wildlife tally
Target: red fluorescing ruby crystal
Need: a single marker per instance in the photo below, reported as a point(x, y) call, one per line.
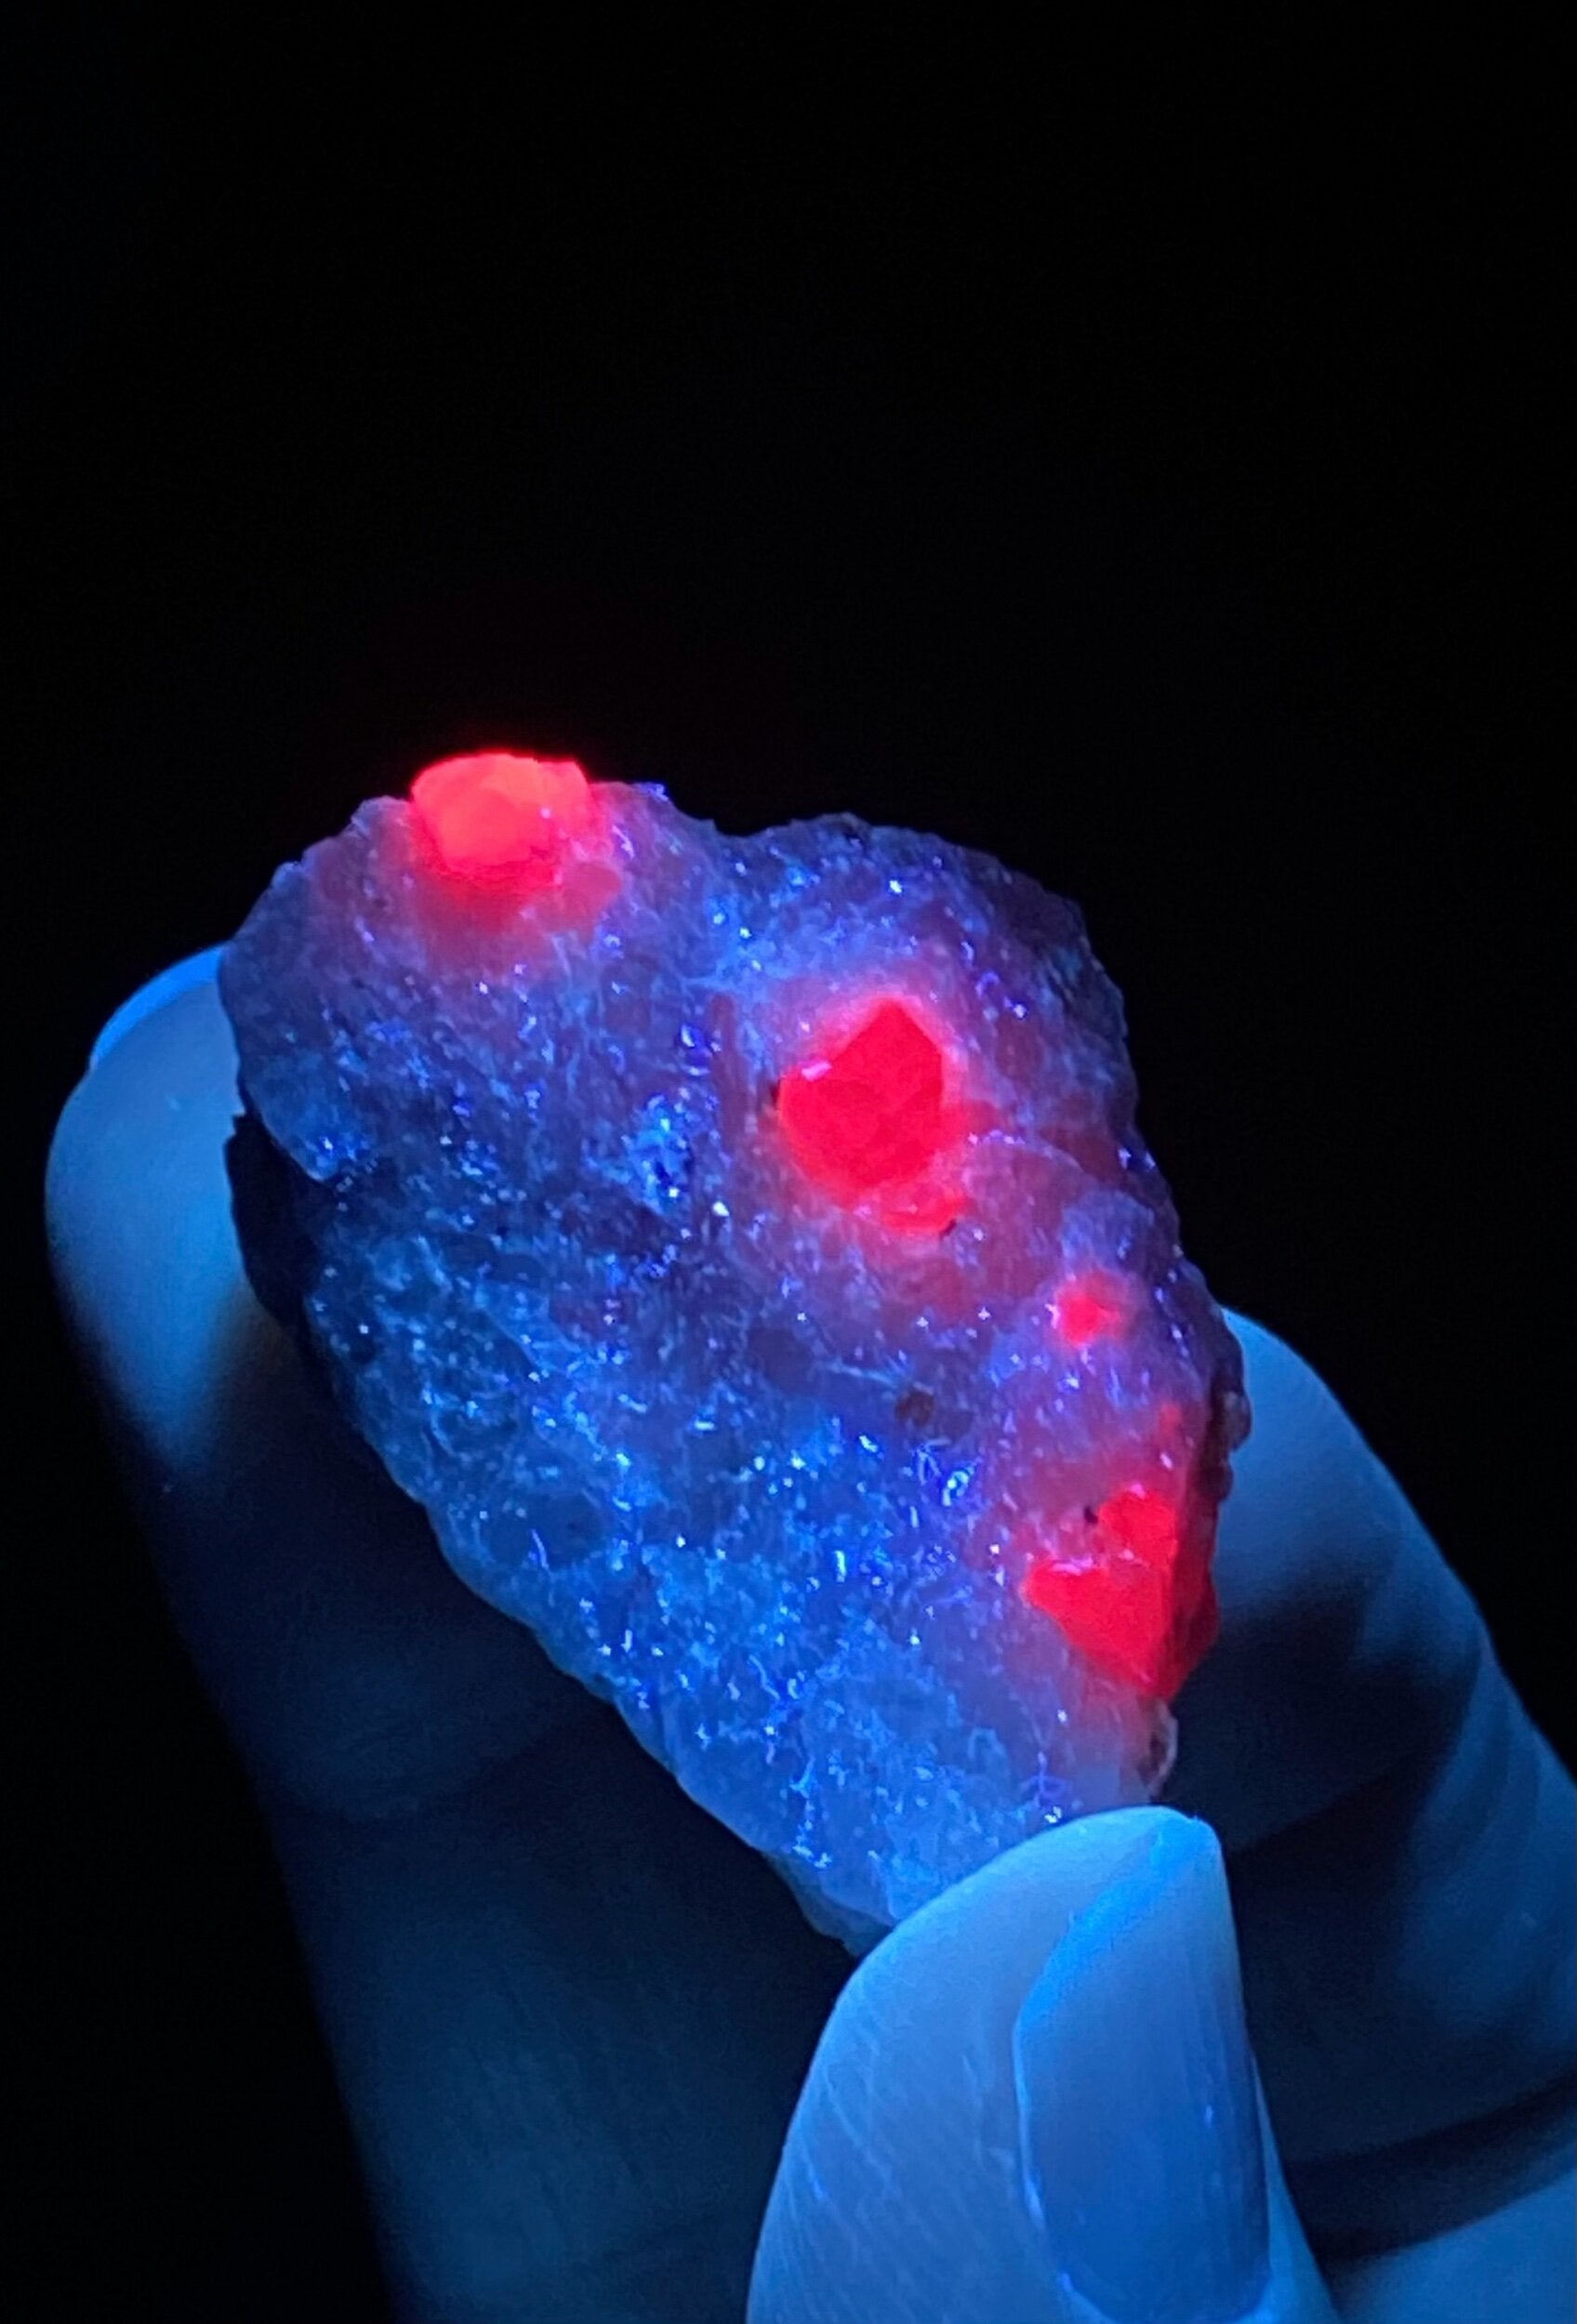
point(502, 820)
point(1131, 1587)
point(870, 1116)
point(1090, 1307)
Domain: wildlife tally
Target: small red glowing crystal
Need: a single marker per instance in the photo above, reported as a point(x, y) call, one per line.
point(1090, 1307)
point(1129, 1584)
point(871, 1115)
point(501, 820)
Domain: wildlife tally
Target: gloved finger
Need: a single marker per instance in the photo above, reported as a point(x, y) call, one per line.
point(1400, 1840)
point(1517, 2264)
point(1035, 2104)
point(568, 2010)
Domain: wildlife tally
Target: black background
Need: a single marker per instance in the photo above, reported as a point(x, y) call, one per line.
point(1140, 470)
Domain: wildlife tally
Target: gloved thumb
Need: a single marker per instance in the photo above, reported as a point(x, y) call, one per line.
point(1035, 2104)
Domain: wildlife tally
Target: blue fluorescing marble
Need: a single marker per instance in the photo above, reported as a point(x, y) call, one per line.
point(762, 1471)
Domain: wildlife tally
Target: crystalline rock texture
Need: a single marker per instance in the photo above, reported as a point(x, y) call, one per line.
point(744, 1251)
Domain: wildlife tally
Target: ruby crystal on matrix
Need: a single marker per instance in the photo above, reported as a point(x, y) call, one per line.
point(744, 1250)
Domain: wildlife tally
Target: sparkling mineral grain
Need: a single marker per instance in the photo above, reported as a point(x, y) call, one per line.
point(744, 1252)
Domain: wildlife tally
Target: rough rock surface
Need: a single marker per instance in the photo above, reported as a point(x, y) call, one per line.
point(744, 1252)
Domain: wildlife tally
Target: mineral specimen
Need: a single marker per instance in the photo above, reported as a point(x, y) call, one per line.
point(744, 1250)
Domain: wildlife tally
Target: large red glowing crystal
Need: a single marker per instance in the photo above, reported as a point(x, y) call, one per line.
point(501, 820)
point(1129, 1584)
point(871, 1115)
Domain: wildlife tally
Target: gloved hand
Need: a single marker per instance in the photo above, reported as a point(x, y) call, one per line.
point(571, 2014)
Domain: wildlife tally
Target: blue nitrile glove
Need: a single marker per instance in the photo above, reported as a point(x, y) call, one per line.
point(571, 2014)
